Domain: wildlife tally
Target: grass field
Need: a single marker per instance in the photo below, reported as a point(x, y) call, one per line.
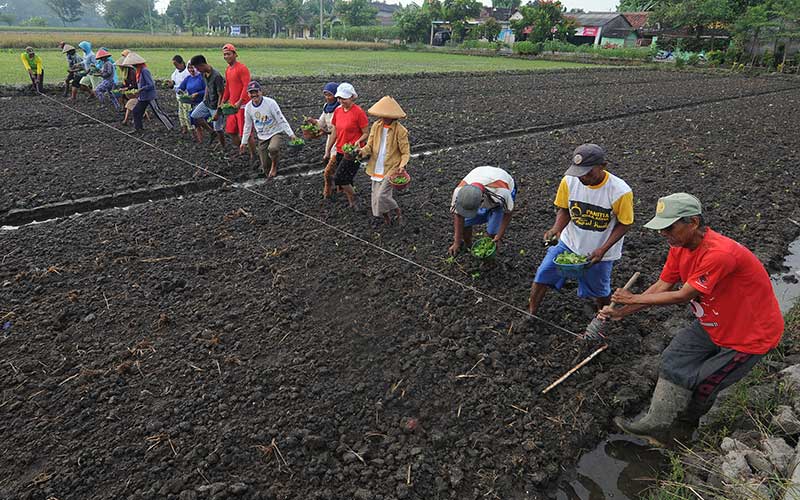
point(289, 62)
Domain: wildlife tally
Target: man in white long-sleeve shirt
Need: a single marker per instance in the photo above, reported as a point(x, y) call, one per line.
point(264, 114)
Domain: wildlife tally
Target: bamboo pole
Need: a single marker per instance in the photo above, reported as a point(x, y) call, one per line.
point(575, 368)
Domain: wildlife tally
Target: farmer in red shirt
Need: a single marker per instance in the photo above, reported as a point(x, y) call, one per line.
point(237, 77)
point(738, 318)
point(349, 126)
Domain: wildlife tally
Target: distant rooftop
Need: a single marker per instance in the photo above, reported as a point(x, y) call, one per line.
point(594, 18)
point(637, 19)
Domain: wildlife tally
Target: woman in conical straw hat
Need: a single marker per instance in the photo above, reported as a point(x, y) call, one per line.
point(147, 94)
point(389, 152)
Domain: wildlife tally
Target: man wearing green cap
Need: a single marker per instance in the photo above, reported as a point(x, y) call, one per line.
point(737, 317)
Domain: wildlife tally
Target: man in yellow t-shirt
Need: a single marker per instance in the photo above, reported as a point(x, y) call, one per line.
point(594, 211)
point(33, 65)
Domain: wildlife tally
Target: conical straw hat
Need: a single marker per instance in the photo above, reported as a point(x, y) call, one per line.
point(67, 47)
point(133, 59)
point(121, 61)
point(387, 108)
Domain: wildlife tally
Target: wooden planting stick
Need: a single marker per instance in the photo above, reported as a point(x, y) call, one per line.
point(576, 368)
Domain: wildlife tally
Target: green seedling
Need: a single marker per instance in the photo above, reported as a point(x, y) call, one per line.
point(399, 180)
point(311, 128)
point(570, 258)
point(483, 248)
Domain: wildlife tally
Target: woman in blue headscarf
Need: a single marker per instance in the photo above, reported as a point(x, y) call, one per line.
point(324, 124)
point(89, 81)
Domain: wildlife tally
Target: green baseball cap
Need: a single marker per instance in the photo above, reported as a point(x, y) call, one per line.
point(671, 208)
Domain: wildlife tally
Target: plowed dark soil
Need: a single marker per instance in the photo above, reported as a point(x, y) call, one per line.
point(224, 346)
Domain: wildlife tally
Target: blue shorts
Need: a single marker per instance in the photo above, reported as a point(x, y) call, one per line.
point(596, 281)
point(203, 112)
point(492, 217)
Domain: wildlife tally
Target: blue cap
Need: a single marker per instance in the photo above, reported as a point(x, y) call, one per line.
point(254, 85)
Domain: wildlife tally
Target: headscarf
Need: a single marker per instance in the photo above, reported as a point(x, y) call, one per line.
point(88, 57)
point(329, 107)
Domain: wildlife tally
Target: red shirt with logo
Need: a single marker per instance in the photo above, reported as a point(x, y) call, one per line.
point(237, 78)
point(349, 125)
point(737, 306)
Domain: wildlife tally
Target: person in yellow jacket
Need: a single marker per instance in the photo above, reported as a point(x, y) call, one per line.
point(388, 151)
point(33, 65)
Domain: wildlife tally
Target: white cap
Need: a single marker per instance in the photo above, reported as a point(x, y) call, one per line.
point(346, 91)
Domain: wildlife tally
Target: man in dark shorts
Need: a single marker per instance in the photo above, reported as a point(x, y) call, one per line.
point(738, 318)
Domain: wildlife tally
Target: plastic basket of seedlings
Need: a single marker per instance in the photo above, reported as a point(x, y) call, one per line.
point(350, 151)
point(571, 265)
point(400, 180)
point(484, 248)
point(228, 109)
point(311, 131)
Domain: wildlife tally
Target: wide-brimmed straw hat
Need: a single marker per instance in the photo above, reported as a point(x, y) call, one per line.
point(133, 59)
point(66, 48)
point(387, 108)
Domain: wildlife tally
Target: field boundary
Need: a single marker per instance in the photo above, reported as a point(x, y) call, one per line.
point(24, 88)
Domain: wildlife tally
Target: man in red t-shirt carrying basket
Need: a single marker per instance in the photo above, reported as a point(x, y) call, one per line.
point(738, 317)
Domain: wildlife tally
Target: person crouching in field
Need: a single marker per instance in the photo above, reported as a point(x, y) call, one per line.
point(128, 75)
point(263, 114)
point(389, 152)
point(180, 73)
point(107, 72)
point(193, 86)
point(324, 124)
point(737, 319)
point(74, 70)
point(33, 65)
point(88, 81)
point(207, 109)
point(147, 93)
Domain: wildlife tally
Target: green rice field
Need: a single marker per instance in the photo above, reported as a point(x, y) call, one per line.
point(290, 62)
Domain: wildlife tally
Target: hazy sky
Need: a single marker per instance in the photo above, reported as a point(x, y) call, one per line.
point(587, 5)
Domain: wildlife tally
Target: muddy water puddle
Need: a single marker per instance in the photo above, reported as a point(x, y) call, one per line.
point(787, 282)
point(621, 467)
